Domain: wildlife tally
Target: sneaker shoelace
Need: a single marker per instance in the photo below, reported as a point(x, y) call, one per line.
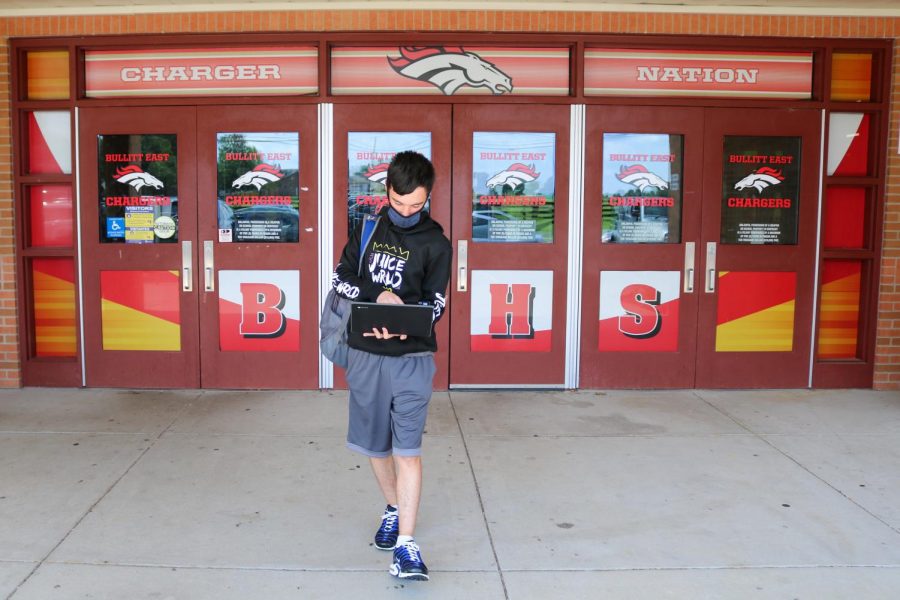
point(389, 521)
point(412, 552)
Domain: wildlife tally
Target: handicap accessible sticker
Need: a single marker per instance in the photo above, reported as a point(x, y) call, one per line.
point(115, 227)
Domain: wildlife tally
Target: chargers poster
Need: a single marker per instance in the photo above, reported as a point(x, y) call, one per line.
point(513, 186)
point(760, 190)
point(258, 185)
point(138, 188)
point(369, 153)
point(642, 188)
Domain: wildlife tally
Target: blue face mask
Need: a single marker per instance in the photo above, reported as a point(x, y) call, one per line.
point(401, 221)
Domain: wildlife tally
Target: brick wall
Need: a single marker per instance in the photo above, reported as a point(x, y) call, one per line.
point(9, 339)
point(887, 348)
point(887, 363)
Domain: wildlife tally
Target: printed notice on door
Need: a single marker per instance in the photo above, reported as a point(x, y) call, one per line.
point(641, 188)
point(513, 187)
point(258, 187)
point(760, 190)
point(138, 188)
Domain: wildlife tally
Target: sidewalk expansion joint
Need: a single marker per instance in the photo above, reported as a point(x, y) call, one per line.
point(152, 442)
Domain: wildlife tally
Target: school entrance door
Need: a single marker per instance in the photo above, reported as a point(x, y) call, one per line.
point(199, 251)
point(699, 247)
point(502, 197)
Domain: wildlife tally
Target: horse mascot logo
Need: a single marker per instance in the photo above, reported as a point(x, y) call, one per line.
point(137, 178)
point(514, 175)
point(258, 177)
point(377, 174)
point(760, 179)
point(641, 178)
point(449, 68)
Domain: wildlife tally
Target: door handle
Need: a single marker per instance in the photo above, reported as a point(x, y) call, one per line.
point(710, 267)
point(209, 280)
point(689, 267)
point(462, 263)
point(187, 266)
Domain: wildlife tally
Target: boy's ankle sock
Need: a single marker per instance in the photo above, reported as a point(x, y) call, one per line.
point(402, 539)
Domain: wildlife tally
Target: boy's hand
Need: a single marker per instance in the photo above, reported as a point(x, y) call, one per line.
point(384, 334)
point(388, 297)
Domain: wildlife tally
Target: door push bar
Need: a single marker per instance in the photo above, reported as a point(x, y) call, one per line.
point(209, 281)
point(710, 267)
point(462, 262)
point(187, 266)
point(689, 267)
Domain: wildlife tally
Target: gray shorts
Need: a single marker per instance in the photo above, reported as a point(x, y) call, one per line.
point(389, 398)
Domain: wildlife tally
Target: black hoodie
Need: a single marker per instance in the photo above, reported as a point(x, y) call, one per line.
point(412, 262)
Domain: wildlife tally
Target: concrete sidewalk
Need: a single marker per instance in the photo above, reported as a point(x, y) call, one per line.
point(132, 495)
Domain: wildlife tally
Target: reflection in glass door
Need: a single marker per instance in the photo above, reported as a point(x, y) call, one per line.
point(639, 303)
point(699, 247)
point(364, 143)
point(760, 191)
point(258, 247)
point(139, 230)
point(510, 216)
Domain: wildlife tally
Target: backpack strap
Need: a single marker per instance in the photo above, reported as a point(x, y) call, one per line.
point(370, 223)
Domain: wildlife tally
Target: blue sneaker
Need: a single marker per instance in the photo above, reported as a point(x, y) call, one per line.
point(386, 536)
point(408, 562)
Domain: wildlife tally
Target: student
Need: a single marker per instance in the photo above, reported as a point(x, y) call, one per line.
point(390, 375)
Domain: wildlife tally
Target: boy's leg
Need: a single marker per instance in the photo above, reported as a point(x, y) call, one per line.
point(409, 489)
point(386, 475)
point(412, 379)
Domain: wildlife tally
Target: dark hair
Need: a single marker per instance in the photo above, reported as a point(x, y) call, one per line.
point(409, 170)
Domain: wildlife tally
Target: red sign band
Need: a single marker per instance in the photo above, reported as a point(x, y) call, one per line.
point(623, 72)
point(260, 71)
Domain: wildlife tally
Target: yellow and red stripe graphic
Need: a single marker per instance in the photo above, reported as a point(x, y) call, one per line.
point(851, 76)
point(140, 310)
point(258, 70)
point(756, 311)
point(635, 72)
point(839, 309)
point(53, 286)
point(47, 72)
point(450, 70)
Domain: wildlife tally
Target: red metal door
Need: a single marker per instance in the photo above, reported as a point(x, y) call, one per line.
point(137, 197)
point(510, 231)
point(257, 251)
point(642, 206)
point(758, 245)
point(365, 139)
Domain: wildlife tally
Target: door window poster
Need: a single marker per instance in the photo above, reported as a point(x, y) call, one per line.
point(138, 188)
point(513, 186)
point(642, 188)
point(369, 154)
point(760, 190)
point(258, 187)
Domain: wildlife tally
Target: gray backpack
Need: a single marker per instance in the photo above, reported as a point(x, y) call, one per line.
point(336, 311)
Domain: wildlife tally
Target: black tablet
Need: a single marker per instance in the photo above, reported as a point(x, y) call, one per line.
point(411, 319)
